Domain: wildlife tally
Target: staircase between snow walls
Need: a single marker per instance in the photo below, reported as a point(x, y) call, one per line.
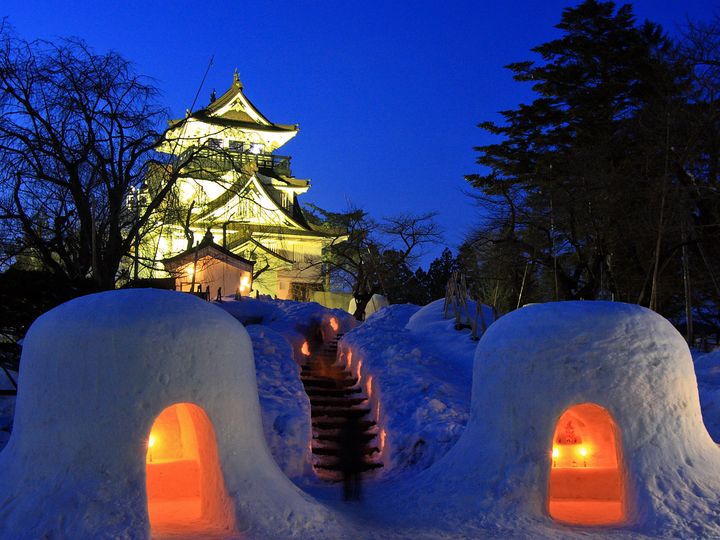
point(335, 396)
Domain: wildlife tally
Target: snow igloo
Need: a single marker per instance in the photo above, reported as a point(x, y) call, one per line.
point(138, 414)
point(584, 415)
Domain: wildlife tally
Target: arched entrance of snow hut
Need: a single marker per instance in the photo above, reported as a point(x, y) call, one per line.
point(587, 480)
point(184, 482)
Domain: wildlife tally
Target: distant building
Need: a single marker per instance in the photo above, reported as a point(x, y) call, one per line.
point(210, 267)
point(237, 189)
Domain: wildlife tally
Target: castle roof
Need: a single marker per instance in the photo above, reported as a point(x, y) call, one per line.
point(234, 109)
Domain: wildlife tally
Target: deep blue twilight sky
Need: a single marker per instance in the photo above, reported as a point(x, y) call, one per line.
point(387, 93)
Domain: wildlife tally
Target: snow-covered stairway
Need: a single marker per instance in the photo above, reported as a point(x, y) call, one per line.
point(334, 397)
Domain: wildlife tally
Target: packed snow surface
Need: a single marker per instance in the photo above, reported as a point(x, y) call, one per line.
point(96, 373)
point(532, 365)
point(452, 470)
point(418, 372)
point(707, 368)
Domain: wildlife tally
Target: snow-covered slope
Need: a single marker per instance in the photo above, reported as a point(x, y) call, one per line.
point(417, 370)
point(532, 365)
point(707, 369)
point(7, 408)
point(96, 373)
point(278, 329)
point(285, 405)
point(457, 472)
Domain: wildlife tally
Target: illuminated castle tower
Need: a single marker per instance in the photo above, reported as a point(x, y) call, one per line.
point(243, 194)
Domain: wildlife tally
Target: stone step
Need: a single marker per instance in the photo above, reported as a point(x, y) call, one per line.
point(339, 412)
point(330, 369)
point(334, 450)
point(337, 401)
point(327, 382)
point(328, 375)
point(329, 436)
point(332, 392)
point(334, 465)
point(336, 423)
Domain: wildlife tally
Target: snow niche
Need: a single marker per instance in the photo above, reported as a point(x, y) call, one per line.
point(582, 414)
point(139, 408)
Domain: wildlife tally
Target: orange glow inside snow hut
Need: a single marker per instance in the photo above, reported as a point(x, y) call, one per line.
point(587, 483)
point(185, 487)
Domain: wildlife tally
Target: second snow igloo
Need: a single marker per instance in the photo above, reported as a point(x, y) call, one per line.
point(584, 414)
point(138, 413)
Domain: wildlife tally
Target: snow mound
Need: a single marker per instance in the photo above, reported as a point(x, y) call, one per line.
point(308, 321)
point(423, 405)
point(707, 368)
point(7, 408)
point(533, 365)
point(284, 403)
point(431, 318)
point(251, 311)
point(96, 373)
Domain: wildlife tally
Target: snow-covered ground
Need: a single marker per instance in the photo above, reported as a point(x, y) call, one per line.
point(7, 408)
point(278, 329)
point(417, 370)
point(707, 370)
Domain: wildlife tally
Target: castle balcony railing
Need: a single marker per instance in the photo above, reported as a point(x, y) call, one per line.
point(213, 159)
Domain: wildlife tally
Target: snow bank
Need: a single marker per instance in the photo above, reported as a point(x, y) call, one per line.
point(7, 408)
point(250, 310)
point(308, 321)
point(417, 373)
point(278, 330)
point(285, 405)
point(530, 366)
point(96, 372)
point(707, 369)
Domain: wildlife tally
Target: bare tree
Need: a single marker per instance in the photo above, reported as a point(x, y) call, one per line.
point(365, 254)
point(78, 132)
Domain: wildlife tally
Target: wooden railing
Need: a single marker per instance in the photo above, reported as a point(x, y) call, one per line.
point(228, 158)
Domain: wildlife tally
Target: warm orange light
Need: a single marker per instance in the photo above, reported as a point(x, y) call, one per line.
point(190, 271)
point(245, 284)
point(383, 435)
point(305, 349)
point(334, 324)
point(369, 386)
point(184, 483)
point(586, 478)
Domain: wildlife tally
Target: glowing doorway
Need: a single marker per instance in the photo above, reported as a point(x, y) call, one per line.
point(587, 485)
point(185, 487)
